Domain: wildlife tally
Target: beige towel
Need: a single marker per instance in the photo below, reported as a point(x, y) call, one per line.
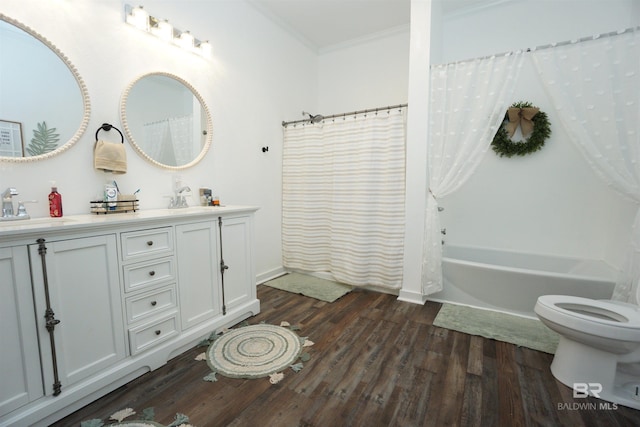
point(110, 157)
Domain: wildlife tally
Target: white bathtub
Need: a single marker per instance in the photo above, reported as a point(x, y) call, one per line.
point(512, 282)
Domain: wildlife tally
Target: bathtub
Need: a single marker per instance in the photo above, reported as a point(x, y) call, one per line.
point(512, 282)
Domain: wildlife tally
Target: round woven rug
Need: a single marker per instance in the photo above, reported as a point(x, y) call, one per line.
point(254, 351)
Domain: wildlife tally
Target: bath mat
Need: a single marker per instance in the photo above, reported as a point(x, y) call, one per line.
point(256, 351)
point(516, 330)
point(310, 286)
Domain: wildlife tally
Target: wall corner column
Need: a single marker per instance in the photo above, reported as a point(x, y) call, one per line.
point(416, 151)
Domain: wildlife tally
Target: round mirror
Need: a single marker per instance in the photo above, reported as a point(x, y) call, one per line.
point(166, 120)
point(44, 104)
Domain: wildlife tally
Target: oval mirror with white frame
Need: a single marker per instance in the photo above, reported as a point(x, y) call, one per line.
point(166, 120)
point(44, 103)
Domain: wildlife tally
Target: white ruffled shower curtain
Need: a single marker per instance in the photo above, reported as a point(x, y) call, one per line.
point(170, 141)
point(181, 129)
point(467, 106)
point(157, 141)
point(595, 88)
point(343, 193)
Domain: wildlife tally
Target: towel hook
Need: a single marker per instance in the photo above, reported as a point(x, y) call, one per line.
point(107, 127)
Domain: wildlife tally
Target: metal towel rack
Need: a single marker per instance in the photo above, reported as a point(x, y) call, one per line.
point(107, 127)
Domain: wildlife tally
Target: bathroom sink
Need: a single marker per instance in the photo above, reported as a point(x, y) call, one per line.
point(33, 222)
point(191, 209)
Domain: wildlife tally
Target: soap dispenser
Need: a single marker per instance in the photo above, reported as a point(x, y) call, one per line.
point(55, 202)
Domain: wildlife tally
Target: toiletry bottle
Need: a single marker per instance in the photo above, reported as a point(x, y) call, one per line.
point(110, 195)
point(55, 202)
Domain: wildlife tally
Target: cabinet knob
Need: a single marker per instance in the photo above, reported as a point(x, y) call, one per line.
point(150, 243)
point(153, 303)
point(152, 273)
point(158, 332)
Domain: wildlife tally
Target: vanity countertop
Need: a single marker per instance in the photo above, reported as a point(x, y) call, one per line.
point(86, 221)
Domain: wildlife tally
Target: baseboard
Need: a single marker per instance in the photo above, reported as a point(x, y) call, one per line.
point(412, 297)
point(270, 275)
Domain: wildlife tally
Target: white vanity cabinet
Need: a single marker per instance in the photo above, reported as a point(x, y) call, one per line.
point(81, 290)
point(149, 274)
point(236, 250)
point(19, 358)
point(215, 267)
point(122, 294)
point(198, 275)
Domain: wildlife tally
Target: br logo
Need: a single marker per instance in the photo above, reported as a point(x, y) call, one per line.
point(586, 389)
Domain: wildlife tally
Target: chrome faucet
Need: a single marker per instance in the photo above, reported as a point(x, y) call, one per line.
point(7, 202)
point(179, 200)
point(8, 214)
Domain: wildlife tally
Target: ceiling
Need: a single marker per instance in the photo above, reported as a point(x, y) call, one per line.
point(321, 24)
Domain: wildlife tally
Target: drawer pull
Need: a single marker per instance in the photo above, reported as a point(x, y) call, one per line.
point(153, 303)
point(150, 243)
point(152, 273)
point(158, 332)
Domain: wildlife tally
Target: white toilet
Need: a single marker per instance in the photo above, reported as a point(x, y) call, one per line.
point(599, 348)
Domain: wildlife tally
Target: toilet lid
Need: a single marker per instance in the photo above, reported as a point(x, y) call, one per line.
point(596, 311)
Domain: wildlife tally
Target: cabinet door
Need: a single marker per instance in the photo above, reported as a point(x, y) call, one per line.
point(84, 290)
point(239, 278)
point(198, 265)
point(19, 358)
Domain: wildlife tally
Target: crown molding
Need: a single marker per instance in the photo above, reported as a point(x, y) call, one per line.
point(366, 39)
point(282, 24)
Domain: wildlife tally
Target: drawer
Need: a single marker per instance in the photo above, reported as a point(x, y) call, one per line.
point(145, 243)
point(150, 303)
point(147, 336)
point(150, 273)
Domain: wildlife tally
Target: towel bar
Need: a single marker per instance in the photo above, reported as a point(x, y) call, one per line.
point(107, 127)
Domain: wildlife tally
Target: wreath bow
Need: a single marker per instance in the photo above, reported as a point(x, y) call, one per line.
point(523, 117)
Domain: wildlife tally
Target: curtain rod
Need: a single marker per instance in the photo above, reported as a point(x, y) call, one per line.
point(351, 113)
point(547, 46)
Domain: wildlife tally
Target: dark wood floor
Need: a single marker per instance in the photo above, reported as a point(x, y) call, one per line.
point(376, 362)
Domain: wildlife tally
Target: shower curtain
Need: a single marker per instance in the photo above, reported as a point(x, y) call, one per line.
point(595, 88)
point(343, 198)
point(170, 141)
point(181, 129)
point(157, 142)
point(467, 105)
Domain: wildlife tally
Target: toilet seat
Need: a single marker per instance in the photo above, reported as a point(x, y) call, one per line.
point(599, 343)
point(595, 317)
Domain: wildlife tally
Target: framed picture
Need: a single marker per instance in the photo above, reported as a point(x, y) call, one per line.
point(11, 144)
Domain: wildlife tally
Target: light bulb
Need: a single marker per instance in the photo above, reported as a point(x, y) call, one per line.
point(185, 40)
point(206, 49)
point(164, 30)
point(139, 18)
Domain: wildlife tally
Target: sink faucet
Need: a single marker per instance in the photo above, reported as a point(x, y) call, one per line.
point(7, 202)
point(179, 201)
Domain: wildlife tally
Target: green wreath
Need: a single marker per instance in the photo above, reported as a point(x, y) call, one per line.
point(503, 145)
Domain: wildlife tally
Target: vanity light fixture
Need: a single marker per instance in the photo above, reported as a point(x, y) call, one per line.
point(139, 18)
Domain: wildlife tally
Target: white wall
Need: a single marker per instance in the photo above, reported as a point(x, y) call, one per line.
point(258, 76)
point(549, 202)
point(368, 74)
point(521, 24)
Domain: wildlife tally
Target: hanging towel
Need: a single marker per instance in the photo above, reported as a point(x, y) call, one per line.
point(110, 157)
